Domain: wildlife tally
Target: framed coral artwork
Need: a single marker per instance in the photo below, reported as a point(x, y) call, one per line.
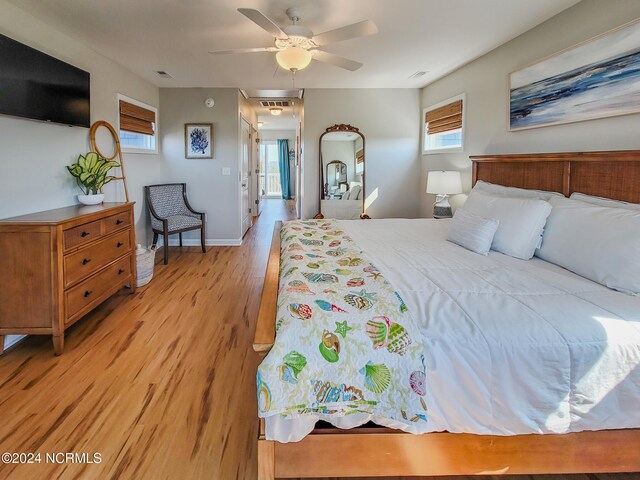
point(198, 140)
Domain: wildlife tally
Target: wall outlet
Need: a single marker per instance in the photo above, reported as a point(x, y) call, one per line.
point(226, 171)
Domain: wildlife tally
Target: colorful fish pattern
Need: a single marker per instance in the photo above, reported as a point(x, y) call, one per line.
point(346, 342)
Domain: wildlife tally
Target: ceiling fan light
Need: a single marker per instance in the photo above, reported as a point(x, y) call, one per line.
point(294, 58)
point(275, 111)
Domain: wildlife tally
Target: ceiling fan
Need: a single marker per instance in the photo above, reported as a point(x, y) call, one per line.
point(296, 45)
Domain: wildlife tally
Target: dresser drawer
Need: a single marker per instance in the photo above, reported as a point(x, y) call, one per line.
point(116, 222)
point(83, 263)
point(82, 234)
point(96, 289)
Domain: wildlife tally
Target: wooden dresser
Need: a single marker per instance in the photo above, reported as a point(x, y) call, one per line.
point(58, 265)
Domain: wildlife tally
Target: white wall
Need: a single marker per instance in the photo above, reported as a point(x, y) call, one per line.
point(486, 86)
point(33, 155)
point(390, 122)
point(208, 190)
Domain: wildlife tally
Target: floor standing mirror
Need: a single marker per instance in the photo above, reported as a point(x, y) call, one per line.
point(342, 173)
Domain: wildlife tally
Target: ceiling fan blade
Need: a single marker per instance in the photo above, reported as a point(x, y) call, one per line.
point(263, 22)
point(241, 50)
point(336, 60)
point(360, 29)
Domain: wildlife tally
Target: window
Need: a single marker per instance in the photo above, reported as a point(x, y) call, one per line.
point(443, 127)
point(137, 126)
point(270, 165)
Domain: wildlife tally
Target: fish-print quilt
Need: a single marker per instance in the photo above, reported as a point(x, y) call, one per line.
point(345, 341)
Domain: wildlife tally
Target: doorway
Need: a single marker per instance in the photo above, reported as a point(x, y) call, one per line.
point(278, 118)
point(270, 168)
point(245, 206)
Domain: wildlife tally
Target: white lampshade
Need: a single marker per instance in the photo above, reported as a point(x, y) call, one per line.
point(293, 58)
point(444, 183)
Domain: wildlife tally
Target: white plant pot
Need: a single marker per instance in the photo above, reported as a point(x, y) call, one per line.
point(91, 199)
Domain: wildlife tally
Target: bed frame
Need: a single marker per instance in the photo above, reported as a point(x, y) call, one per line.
point(377, 452)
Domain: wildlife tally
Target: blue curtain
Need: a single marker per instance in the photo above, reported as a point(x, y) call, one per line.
point(283, 154)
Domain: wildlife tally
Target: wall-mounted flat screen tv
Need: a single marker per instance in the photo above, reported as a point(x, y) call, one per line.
point(38, 86)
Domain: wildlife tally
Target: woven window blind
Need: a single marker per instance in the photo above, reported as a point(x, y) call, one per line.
point(444, 119)
point(136, 119)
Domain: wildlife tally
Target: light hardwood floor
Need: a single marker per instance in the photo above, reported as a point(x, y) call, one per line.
point(160, 383)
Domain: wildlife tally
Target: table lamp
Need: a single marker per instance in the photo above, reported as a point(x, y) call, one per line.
point(443, 184)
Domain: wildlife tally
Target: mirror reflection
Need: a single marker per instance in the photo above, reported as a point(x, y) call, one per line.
point(342, 188)
point(336, 179)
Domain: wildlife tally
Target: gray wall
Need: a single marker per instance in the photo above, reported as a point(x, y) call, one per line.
point(33, 155)
point(486, 85)
point(389, 120)
point(207, 188)
point(41, 150)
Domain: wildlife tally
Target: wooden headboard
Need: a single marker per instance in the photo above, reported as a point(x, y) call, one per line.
point(612, 174)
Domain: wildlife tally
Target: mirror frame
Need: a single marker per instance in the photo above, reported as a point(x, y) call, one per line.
point(343, 127)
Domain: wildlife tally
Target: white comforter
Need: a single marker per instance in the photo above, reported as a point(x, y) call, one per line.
point(512, 346)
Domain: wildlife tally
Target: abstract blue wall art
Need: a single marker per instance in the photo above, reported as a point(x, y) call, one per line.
point(198, 140)
point(595, 79)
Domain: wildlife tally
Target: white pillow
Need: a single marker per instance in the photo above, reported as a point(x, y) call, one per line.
point(599, 243)
point(346, 195)
point(502, 191)
point(521, 220)
point(355, 192)
point(604, 202)
point(472, 231)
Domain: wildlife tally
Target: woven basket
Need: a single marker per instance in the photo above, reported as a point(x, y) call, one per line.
point(145, 259)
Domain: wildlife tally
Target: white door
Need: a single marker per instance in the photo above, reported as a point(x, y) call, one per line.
point(245, 206)
point(259, 178)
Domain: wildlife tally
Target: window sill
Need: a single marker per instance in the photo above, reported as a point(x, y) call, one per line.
point(139, 150)
point(443, 150)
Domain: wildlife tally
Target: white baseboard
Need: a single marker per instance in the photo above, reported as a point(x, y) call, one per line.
point(209, 242)
point(11, 340)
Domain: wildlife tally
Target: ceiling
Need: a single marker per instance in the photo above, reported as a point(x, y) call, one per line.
point(287, 120)
point(435, 36)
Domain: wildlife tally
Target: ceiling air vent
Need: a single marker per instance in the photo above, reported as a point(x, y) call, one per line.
point(163, 74)
point(418, 74)
point(274, 103)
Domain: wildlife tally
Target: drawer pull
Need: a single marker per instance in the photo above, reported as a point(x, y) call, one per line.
point(85, 234)
point(119, 244)
point(120, 271)
point(85, 261)
point(118, 222)
point(87, 293)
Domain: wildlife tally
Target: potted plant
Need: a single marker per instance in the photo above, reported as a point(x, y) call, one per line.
point(90, 171)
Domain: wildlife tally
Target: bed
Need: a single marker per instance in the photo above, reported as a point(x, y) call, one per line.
point(533, 293)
